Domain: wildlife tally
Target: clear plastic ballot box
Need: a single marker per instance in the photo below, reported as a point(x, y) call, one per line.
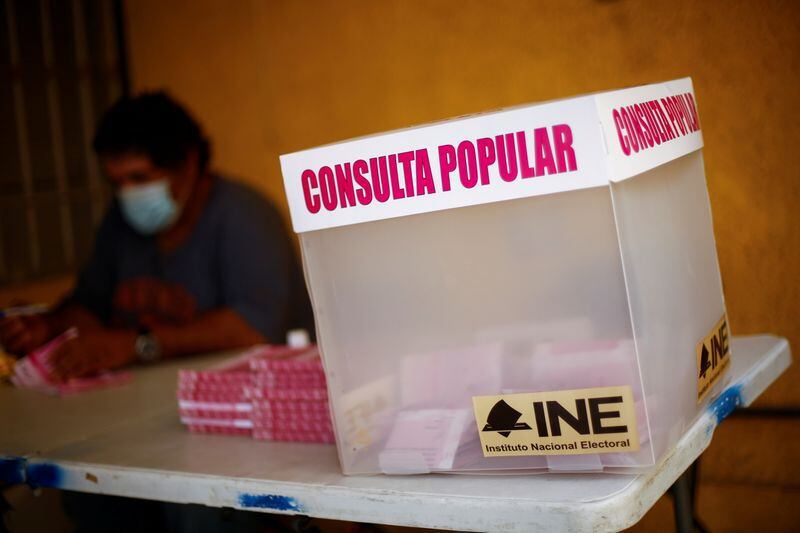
point(531, 289)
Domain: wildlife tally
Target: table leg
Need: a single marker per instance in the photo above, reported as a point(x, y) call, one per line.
point(4, 508)
point(684, 496)
point(683, 500)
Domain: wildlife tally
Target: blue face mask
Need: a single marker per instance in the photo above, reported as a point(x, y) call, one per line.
point(149, 208)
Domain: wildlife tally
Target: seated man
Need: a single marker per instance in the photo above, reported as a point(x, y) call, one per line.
point(185, 261)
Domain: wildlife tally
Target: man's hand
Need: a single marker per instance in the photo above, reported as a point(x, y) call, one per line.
point(21, 334)
point(149, 302)
point(94, 351)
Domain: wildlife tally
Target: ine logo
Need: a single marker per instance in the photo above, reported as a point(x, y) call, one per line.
point(596, 420)
point(503, 419)
point(586, 418)
point(713, 357)
point(709, 360)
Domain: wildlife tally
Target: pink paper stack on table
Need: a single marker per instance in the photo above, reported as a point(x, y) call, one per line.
point(269, 392)
point(290, 399)
point(213, 401)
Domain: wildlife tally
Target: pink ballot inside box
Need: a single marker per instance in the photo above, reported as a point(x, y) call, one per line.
point(429, 433)
point(268, 392)
point(36, 371)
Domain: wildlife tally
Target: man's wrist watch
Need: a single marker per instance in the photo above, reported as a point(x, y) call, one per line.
point(147, 348)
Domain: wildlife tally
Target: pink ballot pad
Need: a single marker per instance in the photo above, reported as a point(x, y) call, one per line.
point(36, 371)
point(267, 392)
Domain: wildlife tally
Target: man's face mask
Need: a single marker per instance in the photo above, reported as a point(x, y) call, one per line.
point(149, 208)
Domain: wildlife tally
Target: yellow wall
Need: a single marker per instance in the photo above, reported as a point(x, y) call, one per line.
point(268, 78)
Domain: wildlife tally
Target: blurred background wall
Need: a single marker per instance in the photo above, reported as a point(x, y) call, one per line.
point(271, 77)
point(267, 78)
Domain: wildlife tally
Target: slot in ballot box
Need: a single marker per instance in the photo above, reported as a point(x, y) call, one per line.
point(531, 289)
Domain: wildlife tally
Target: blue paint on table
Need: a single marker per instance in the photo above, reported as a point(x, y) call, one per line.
point(44, 475)
point(12, 470)
point(725, 404)
point(270, 501)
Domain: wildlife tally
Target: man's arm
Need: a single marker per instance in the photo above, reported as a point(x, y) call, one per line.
point(99, 349)
point(71, 314)
point(215, 330)
point(22, 334)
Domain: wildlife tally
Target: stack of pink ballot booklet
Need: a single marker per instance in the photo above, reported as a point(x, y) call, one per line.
point(269, 392)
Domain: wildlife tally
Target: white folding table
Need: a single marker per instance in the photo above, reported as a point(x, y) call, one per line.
point(128, 441)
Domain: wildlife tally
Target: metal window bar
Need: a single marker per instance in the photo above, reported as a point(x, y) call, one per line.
point(21, 120)
point(121, 72)
point(87, 113)
point(57, 136)
point(111, 67)
point(111, 57)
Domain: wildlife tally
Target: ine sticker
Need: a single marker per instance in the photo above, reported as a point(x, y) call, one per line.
point(566, 422)
point(713, 357)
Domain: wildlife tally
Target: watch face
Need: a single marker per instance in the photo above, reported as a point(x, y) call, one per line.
point(147, 348)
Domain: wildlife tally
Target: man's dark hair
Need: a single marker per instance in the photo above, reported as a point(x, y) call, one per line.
point(152, 124)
